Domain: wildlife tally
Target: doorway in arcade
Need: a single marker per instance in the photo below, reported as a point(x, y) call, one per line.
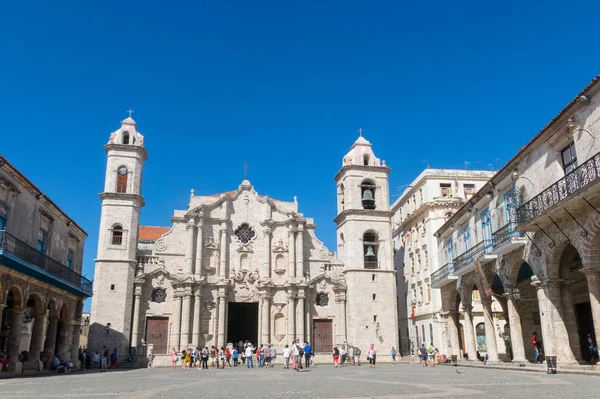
point(242, 322)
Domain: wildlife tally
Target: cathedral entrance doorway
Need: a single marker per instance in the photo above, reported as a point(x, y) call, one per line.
point(157, 331)
point(323, 333)
point(242, 322)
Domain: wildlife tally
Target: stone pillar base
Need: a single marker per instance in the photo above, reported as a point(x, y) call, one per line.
point(519, 361)
point(16, 367)
point(33, 365)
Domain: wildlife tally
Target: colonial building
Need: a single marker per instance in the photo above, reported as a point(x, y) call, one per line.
point(431, 199)
point(527, 245)
point(240, 266)
point(41, 286)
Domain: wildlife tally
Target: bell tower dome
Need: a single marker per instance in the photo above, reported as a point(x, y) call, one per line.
point(364, 236)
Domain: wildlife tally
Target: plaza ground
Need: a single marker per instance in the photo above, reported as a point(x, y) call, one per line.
point(386, 381)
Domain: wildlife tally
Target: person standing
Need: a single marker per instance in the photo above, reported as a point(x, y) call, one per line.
point(296, 356)
point(213, 356)
point(228, 356)
point(357, 353)
point(431, 354)
point(96, 360)
point(536, 346)
point(423, 355)
point(174, 358)
point(342, 357)
point(205, 355)
point(307, 354)
point(336, 356)
point(249, 360)
point(235, 356)
point(150, 359)
point(393, 355)
point(286, 357)
point(372, 355)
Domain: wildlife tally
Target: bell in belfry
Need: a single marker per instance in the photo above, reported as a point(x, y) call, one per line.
point(370, 251)
point(367, 198)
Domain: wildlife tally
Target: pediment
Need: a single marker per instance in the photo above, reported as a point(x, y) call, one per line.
point(324, 280)
point(158, 276)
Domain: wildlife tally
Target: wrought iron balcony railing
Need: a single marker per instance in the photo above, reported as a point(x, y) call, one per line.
point(441, 274)
point(505, 233)
point(464, 259)
point(583, 175)
point(12, 245)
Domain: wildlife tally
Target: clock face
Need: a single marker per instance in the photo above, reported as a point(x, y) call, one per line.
point(123, 171)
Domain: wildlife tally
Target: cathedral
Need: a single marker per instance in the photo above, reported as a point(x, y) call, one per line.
point(240, 266)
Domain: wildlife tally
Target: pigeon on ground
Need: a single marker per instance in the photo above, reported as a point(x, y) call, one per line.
point(457, 372)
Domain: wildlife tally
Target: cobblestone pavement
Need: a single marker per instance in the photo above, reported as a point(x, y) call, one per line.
point(386, 381)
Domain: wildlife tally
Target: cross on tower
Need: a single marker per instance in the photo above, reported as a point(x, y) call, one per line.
point(245, 166)
point(130, 112)
point(360, 131)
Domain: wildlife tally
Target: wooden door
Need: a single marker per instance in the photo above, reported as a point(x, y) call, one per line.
point(323, 336)
point(157, 333)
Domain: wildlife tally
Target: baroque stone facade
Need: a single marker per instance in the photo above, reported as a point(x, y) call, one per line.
point(237, 266)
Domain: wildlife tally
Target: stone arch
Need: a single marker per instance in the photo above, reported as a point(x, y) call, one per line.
point(15, 297)
point(35, 300)
point(65, 312)
point(52, 309)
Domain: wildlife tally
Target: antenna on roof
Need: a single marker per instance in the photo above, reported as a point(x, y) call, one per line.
point(426, 162)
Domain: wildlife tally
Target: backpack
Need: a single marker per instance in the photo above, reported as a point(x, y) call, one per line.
point(301, 352)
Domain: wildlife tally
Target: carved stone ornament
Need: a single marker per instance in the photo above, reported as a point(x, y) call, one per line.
point(211, 244)
point(279, 246)
point(323, 253)
point(160, 245)
point(245, 234)
point(322, 299)
point(244, 286)
point(159, 295)
point(323, 285)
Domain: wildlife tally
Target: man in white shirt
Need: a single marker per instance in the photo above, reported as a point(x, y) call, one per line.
point(248, 354)
point(286, 357)
point(296, 354)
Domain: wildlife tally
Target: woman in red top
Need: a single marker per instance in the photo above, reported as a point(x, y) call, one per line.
point(336, 356)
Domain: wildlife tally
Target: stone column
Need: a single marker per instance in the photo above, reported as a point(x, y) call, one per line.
point(189, 247)
point(2, 306)
point(37, 336)
point(265, 320)
point(197, 317)
point(266, 271)
point(75, 338)
point(50, 343)
point(185, 319)
point(308, 326)
point(558, 332)
point(223, 250)
point(221, 321)
point(593, 279)
point(14, 338)
point(341, 333)
point(570, 322)
point(545, 320)
point(291, 317)
point(260, 318)
point(292, 253)
point(300, 316)
point(62, 338)
point(176, 327)
point(199, 248)
point(300, 252)
point(490, 330)
point(454, 333)
point(135, 328)
point(516, 332)
point(471, 347)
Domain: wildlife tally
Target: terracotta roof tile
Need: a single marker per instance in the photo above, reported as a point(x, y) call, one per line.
point(151, 233)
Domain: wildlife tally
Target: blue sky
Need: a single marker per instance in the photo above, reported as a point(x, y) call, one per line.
point(281, 85)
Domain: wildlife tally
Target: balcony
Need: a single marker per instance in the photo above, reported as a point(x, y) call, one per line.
point(583, 177)
point(507, 239)
point(482, 252)
point(443, 276)
point(17, 255)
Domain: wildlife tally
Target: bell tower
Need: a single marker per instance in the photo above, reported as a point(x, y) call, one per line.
point(112, 300)
point(364, 237)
